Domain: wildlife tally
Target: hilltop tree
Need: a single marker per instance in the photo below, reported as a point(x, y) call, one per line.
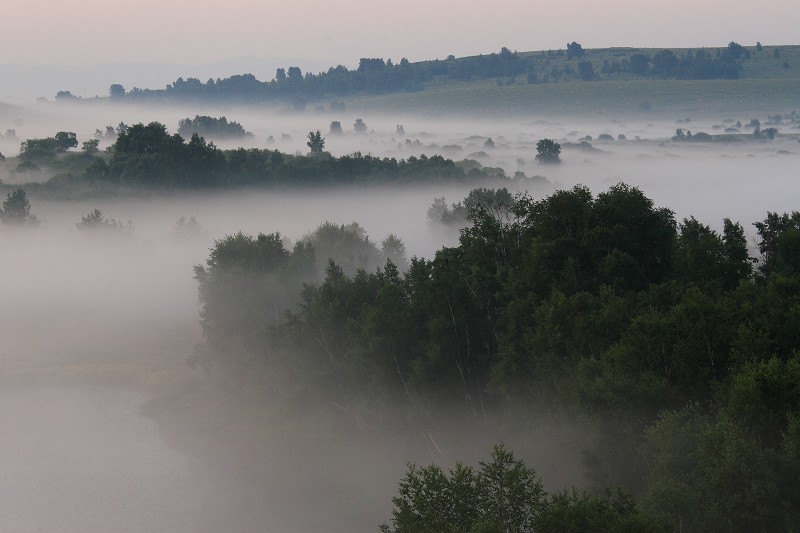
point(16, 210)
point(90, 146)
point(548, 152)
point(735, 50)
point(574, 50)
point(316, 142)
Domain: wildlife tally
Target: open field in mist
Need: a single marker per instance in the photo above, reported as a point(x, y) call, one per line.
point(96, 329)
point(607, 99)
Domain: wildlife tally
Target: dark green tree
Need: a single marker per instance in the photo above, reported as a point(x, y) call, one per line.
point(65, 140)
point(116, 91)
point(779, 243)
point(90, 146)
point(316, 142)
point(548, 152)
point(16, 210)
point(211, 128)
point(502, 495)
point(574, 50)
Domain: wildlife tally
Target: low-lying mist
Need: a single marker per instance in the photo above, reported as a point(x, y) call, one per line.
point(84, 308)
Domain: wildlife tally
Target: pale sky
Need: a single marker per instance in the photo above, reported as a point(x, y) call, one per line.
point(86, 32)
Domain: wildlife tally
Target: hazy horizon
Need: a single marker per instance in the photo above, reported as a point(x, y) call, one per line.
point(205, 32)
point(88, 46)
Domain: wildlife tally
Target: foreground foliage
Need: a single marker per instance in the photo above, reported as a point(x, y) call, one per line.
point(503, 495)
point(604, 306)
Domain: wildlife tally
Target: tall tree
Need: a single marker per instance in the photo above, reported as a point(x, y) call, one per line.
point(574, 50)
point(16, 210)
point(316, 142)
point(548, 152)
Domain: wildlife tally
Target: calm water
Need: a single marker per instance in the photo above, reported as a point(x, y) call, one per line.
point(83, 459)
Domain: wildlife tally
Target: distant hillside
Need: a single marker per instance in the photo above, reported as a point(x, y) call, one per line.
point(25, 83)
point(376, 76)
point(601, 100)
point(572, 80)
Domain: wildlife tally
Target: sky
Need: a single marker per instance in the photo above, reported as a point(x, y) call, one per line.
point(89, 32)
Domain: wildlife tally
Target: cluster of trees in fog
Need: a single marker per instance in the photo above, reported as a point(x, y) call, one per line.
point(148, 155)
point(376, 75)
point(691, 65)
point(16, 212)
point(606, 307)
point(211, 128)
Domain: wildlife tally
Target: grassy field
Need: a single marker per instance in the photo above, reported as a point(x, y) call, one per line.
point(597, 99)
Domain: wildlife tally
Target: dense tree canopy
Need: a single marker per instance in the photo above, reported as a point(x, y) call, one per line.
point(211, 128)
point(601, 305)
point(147, 155)
point(316, 142)
point(45, 150)
point(548, 152)
point(505, 495)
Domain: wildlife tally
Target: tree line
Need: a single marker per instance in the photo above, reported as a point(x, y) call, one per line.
point(147, 155)
point(377, 76)
point(605, 307)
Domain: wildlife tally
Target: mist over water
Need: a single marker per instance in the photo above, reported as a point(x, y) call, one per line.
point(85, 454)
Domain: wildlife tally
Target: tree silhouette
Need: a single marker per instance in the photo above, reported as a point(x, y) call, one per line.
point(16, 210)
point(316, 142)
point(548, 152)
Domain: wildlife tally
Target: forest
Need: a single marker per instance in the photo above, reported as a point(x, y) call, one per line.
point(668, 334)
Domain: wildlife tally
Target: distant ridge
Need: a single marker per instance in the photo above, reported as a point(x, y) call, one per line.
point(26, 83)
point(376, 76)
